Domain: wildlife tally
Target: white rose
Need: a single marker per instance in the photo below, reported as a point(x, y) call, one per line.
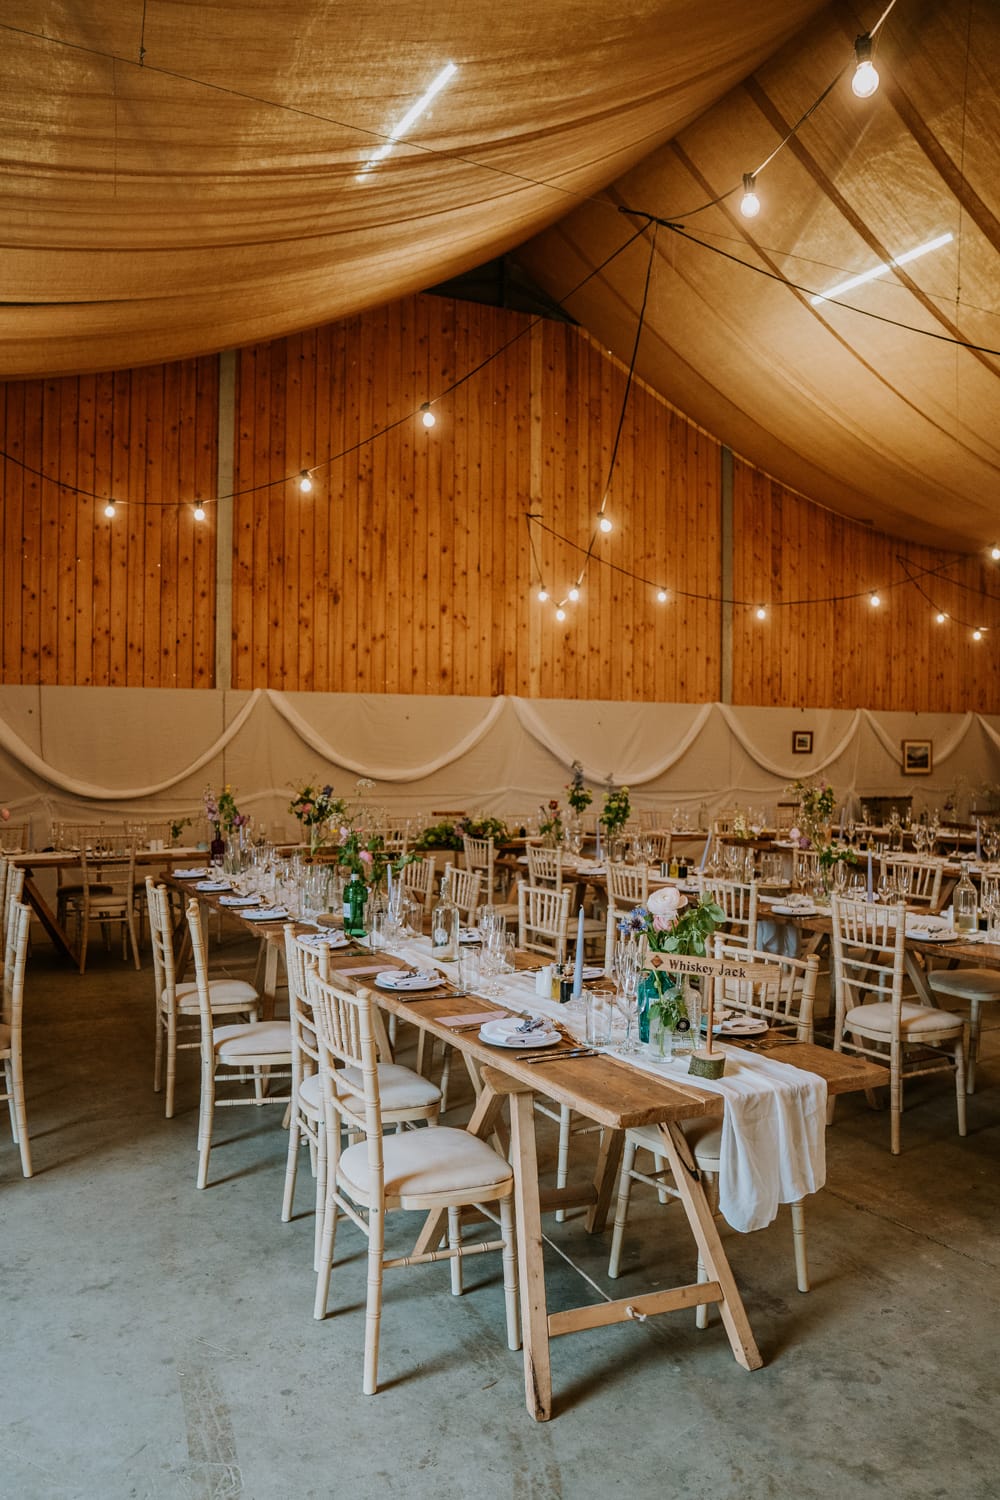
point(666, 902)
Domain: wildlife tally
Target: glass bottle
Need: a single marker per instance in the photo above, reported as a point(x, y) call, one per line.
point(355, 895)
point(964, 903)
point(445, 921)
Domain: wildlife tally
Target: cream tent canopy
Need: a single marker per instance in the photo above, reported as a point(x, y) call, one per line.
point(186, 177)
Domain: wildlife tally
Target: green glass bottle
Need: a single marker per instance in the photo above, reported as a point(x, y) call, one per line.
point(355, 895)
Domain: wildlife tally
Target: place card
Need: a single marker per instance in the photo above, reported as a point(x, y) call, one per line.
point(479, 1019)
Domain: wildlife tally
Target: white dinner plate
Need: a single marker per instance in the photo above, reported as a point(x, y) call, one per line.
point(213, 885)
point(266, 914)
point(495, 1033)
point(325, 939)
point(197, 874)
point(399, 980)
point(239, 900)
point(469, 935)
point(795, 911)
point(946, 935)
point(742, 1026)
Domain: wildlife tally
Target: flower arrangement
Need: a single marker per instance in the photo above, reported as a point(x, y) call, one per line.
point(222, 812)
point(578, 796)
point(816, 803)
point(483, 828)
point(667, 931)
point(178, 826)
point(440, 836)
point(617, 809)
point(315, 810)
point(550, 824)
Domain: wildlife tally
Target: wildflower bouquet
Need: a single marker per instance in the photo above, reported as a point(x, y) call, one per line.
point(315, 810)
point(578, 796)
point(550, 824)
point(617, 809)
point(222, 812)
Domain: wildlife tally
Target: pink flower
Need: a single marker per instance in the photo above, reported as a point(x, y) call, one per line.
point(663, 924)
point(366, 858)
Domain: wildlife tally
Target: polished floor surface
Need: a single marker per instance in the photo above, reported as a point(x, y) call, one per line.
point(158, 1342)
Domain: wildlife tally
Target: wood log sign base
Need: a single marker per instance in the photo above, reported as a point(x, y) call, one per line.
point(706, 1062)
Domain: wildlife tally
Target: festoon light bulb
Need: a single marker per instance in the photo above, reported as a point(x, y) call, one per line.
point(305, 482)
point(427, 416)
point(750, 203)
point(865, 80)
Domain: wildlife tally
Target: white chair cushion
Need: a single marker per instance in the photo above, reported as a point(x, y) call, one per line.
point(252, 1039)
point(966, 984)
point(915, 1020)
point(231, 992)
point(703, 1136)
point(421, 1163)
point(398, 1087)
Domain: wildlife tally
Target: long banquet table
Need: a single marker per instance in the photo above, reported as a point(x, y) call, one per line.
point(605, 1089)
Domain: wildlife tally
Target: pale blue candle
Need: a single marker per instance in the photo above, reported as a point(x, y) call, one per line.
point(598, 839)
point(871, 888)
point(578, 965)
point(979, 847)
point(704, 855)
point(388, 876)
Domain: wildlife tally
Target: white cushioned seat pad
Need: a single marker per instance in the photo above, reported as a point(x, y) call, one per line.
point(419, 1163)
point(398, 1087)
point(220, 992)
point(252, 1039)
point(915, 1020)
point(703, 1136)
point(966, 984)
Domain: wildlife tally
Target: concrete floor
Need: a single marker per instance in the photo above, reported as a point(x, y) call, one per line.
point(158, 1341)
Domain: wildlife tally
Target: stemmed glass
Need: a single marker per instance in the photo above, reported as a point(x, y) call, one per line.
point(626, 965)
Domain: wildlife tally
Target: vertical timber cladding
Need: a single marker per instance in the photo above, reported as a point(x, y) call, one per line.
point(840, 652)
point(408, 567)
point(125, 602)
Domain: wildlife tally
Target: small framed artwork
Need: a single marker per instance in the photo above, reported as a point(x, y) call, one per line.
point(918, 757)
point(802, 742)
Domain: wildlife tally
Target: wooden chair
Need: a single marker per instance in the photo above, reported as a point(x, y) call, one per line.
point(544, 867)
point(15, 963)
point(178, 1003)
point(465, 887)
point(480, 854)
point(13, 889)
point(406, 1096)
point(979, 987)
point(628, 887)
point(873, 1019)
point(918, 883)
point(704, 1137)
point(13, 838)
point(657, 843)
point(738, 900)
point(542, 920)
point(107, 896)
point(784, 1000)
point(418, 879)
point(255, 1045)
point(420, 1169)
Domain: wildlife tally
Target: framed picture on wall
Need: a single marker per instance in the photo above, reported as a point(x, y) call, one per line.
point(802, 742)
point(918, 757)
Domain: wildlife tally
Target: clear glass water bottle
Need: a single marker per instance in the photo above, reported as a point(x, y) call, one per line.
point(965, 903)
point(445, 921)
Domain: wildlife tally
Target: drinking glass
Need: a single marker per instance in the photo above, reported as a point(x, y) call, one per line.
point(626, 965)
point(600, 1007)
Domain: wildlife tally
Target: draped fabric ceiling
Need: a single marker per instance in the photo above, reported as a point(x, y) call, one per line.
point(180, 178)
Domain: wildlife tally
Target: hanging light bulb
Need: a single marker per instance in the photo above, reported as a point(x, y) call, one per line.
point(662, 596)
point(977, 635)
point(750, 203)
point(560, 615)
point(940, 617)
point(761, 612)
point(573, 594)
point(542, 595)
point(109, 509)
point(199, 513)
point(874, 601)
point(995, 553)
point(605, 523)
point(428, 418)
point(305, 482)
point(865, 80)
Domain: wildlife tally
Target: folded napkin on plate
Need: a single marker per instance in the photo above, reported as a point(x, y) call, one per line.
point(266, 914)
point(507, 1030)
point(408, 979)
point(194, 874)
point(325, 939)
point(213, 885)
point(239, 900)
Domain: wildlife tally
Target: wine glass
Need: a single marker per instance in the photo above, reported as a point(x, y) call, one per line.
point(625, 966)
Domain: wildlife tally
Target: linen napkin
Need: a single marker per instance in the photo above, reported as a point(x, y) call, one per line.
point(773, 1134)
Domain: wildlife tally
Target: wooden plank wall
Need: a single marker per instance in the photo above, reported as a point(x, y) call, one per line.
point(409, 568)
point(127, 602)
point(839, 652)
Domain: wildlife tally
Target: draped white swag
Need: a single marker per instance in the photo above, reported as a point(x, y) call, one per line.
point(82, 752)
